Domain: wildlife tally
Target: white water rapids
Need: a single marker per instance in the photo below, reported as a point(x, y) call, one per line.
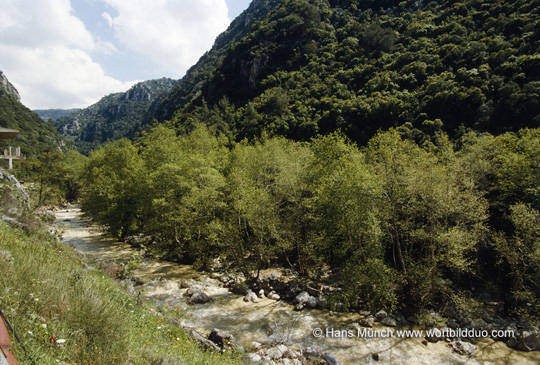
point(268, 319)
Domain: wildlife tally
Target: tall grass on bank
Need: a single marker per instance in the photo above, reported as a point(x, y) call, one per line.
point(63, 312)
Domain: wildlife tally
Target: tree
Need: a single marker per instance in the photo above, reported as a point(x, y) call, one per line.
point(521, 252)
point(435, 215)
point(49, 170)
point(116, 184)
point(346, 196)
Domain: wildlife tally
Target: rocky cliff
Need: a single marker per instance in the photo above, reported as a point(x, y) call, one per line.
point(115, 116)
point(8, 87)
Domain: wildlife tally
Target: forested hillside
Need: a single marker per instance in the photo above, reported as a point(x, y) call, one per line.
point(114, 116)
point(36, 135)
point(310, 67)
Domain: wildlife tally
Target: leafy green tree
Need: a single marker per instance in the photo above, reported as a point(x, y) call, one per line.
point(346, 197)
point(521, 252)
point(73, 164)
point(185, 192)
point(435, 215)
point(116, 183)
point(49, 173)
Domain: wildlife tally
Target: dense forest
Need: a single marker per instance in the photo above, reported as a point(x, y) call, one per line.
point(312, 67)
point(397, 222)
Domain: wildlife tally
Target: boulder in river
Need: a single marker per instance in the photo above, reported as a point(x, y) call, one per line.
point(381, 315)
point(251, 297)
point(186, 284)
point(367, 322)
point(527, 341)
point(203, 342)
point(389, 322)
point(303, 297)
point(199, 297)
point(223, 339)
point(330, 359)
point(312, 302)
point(463, 348)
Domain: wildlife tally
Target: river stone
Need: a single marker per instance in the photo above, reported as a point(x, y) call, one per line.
point(223, 339)
point(463, 348)
point(187, 283)
point(298, 307)
point(389, 321)
point(311, 352)
point(529, 341)
point(312, 302)
point(330, 359)
point(251, 297)
point(206, 344)
point(276, 353)
point(381, 315)
point(199, 297)
point(303, 297)
point(254, 346)
point(274, 296)
point(261, 294)
point(192, 289)
point(255, 358)
point(367, 322)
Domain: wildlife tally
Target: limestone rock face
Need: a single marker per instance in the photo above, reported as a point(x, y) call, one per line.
point(8, 87)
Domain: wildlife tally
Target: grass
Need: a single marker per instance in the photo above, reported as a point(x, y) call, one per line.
point(63, 312)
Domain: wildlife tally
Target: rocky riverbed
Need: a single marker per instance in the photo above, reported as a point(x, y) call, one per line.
point(279, 318)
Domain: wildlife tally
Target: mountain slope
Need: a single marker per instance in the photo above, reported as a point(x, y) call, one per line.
point(114, 116)
point(54, 114)
point(35, 135)
point(299, 68)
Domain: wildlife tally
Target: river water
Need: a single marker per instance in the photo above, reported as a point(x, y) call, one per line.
point(268, 319)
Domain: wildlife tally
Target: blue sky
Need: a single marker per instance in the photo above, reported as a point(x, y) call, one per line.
point(70, 53)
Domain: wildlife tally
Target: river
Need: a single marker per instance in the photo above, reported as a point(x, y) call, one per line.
point(269, 319)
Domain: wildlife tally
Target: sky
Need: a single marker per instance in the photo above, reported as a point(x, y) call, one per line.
point(62, 54)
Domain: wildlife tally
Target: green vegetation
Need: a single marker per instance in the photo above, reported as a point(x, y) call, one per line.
point(63, 311)
point(36, 136)
point(312, 67)
point(54, 177)
point(115, 116)
point(398, 221)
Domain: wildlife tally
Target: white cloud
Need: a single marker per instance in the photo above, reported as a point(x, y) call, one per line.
point(172, 33)
point(50, 56)
point(45, 52)
point(57, 76)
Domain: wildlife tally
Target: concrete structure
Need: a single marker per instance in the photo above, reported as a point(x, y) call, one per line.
point(10, 153)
